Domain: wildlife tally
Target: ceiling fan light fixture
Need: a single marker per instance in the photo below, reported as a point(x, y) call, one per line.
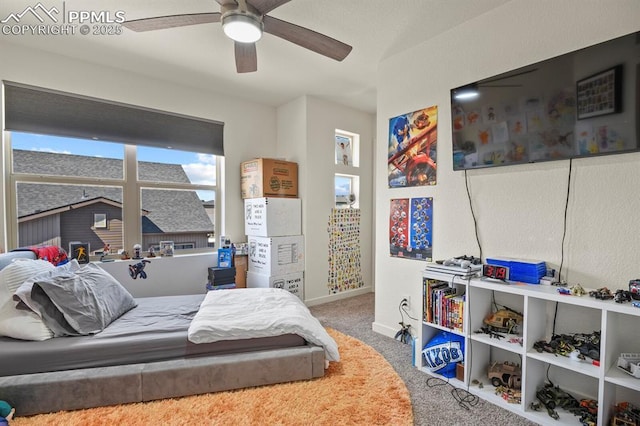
point(242, 27)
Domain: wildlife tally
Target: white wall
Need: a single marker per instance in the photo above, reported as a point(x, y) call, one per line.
point(519, 208)
point(185, 274)
point(306, 130)
point(241, 141)
point(301, 131)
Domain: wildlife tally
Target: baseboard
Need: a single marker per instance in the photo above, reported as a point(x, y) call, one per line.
point(337, 296)
point(384, 330)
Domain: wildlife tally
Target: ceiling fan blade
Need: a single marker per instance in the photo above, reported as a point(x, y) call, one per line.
point(266, 6)
point(171, 21)
point(306, 38)
point(246, 57)
point(227, 2)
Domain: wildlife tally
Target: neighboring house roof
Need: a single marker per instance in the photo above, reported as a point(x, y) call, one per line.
point(169, 211)
point(38, 213)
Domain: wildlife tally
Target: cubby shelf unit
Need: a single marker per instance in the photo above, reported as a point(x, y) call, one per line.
point(606, 383)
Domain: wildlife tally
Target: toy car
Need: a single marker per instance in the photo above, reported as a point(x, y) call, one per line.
point(622, 296)
point(553, 397)
point(505, 374)
point(504, 320)
point(602, 293)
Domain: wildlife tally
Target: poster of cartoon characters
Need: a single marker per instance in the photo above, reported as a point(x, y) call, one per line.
point(411, 228)
point(413, 140)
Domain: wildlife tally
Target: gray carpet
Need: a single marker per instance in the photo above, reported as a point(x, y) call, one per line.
point(432, 405)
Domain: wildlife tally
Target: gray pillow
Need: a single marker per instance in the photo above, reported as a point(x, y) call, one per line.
point(82, 302)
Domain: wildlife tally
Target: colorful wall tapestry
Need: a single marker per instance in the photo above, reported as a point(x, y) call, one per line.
point(411, 158)
point(411, 228)
point(345, 272)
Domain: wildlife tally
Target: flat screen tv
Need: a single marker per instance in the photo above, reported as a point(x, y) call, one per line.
point(581, 104)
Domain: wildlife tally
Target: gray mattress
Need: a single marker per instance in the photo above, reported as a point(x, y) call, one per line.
point(156, 330)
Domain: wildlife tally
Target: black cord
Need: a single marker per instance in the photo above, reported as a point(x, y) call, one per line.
point(473, 215)
point(564, 233)
point(407, 313)
point(493, 300)
point(564, 230)
point(465, 398)
point(404, 334)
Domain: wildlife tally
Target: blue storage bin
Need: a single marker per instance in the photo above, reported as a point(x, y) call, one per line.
point(526, 271)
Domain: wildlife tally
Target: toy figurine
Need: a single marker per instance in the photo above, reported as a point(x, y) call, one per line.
point(124, 255)
point(152, 252)
point(6, 413)
point(137, 251)
point(138, 270)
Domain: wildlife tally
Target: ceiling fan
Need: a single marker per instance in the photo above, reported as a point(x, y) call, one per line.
point(244, 21)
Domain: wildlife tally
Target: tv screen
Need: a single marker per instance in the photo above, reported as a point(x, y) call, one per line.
point(581, 104)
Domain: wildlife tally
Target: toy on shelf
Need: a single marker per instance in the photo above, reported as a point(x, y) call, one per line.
point(505, 320)
point(506, 374)
point(552, 397)
point(588, 345)
point(577, 290)
point(622, 296)
point(602, 293)
point(630, 364)
point(626, 414)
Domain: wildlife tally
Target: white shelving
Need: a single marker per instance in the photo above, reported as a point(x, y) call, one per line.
point(539, 303)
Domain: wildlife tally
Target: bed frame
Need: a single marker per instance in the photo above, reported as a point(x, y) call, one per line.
point(93, 387)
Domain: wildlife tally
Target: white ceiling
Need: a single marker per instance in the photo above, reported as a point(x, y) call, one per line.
point(202, 56)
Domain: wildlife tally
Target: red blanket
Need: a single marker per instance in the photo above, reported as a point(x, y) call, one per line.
point(54, 254)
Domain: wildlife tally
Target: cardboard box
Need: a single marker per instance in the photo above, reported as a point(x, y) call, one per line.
point(272, 217)
point(276, 255)
point(267, 177)
point(293, 283)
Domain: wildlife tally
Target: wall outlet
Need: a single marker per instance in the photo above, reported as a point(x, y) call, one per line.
point(407, 303)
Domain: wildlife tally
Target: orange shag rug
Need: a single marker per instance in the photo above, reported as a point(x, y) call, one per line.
point(362, 389)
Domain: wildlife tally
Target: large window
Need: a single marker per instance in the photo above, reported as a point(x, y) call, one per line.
point(347, 176)
point(109, 194)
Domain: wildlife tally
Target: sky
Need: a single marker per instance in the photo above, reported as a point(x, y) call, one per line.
point(200, 168)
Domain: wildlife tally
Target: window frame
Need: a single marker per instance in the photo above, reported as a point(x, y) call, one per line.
point(101, 223)
point(131, 193)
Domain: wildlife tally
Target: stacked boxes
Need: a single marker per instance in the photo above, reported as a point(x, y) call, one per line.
point(267, 177)
point(276, 247)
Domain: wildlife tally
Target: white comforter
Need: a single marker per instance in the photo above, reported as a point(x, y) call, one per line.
point(257, 312)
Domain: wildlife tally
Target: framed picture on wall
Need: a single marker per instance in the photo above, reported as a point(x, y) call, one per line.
point(344, 150)
point(166, 248)
point(600, 94)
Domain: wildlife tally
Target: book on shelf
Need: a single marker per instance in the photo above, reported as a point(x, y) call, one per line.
point(442, 304)
point(429, 285)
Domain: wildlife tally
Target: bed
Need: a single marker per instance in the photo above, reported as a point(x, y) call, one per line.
point(168, 346)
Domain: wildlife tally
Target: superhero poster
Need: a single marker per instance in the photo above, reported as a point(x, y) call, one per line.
point(411, 227)
point(413, 139)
